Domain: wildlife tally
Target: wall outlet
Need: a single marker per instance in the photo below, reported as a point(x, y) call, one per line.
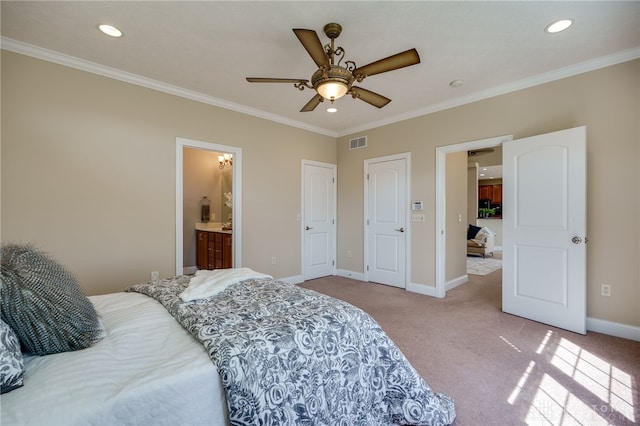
point(155, 276)
point(605, 290)
point(274, 260)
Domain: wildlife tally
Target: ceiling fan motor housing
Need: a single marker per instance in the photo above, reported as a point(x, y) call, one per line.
point(332, 30)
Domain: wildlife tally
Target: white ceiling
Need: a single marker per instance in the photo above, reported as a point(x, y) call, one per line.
point(205, 49)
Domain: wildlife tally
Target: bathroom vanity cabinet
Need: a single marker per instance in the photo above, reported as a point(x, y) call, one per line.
point(214, 250)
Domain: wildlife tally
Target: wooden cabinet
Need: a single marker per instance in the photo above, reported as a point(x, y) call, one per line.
point(496, 194)
point(214, 250)
point(202, 247)
point(490, 192)
point(484, 192)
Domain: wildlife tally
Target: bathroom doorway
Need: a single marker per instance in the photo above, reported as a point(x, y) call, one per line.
point(212, 170)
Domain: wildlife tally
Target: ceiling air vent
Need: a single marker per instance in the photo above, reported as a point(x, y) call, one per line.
point(356, 143)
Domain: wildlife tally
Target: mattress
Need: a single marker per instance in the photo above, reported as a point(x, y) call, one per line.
point(148, 370)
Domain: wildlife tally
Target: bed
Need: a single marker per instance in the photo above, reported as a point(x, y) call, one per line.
point(249, 351)
point(148, 370)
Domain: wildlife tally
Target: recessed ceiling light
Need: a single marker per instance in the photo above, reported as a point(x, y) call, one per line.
point(110, 30)
point(557, 26)
point(456, 83)
point(332, 109)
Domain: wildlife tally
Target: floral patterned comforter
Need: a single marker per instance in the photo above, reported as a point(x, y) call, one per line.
point(288, 355)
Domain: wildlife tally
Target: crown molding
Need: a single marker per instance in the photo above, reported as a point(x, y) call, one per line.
point(105, 71)
point(560, 73)
point(92, 67)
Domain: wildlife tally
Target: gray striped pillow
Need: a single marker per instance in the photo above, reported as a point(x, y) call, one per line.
point(43, 303)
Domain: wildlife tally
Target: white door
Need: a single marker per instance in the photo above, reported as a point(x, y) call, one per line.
point(386, 222)
point(318, 220)
point(544, 229)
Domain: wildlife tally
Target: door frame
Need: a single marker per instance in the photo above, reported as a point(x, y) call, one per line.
point(407, 252)
point(334, 170)
point(441, 186)
point(237, 197)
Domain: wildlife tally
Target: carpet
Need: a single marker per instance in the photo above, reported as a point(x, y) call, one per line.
point(501, 369)
point(482, 266)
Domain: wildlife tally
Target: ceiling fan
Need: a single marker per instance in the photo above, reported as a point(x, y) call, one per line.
point(476, 152)
point(331, 81)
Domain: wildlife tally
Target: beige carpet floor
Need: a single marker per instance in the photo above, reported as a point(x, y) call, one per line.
point(499, 368)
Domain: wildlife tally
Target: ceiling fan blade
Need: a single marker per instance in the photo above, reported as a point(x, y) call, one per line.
point(275, 80)
point(475, 152)
point(369, 97)
point(312, 104)
point(311, 42)
point(400, 60)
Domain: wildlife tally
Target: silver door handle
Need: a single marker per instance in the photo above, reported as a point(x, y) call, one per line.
point(400, 230)
point(576, 240)
point(306, 228)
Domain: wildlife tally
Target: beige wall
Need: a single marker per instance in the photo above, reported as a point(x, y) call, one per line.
point(88, 173)
point(472, 192)
point(607, 101)
point(456, 215)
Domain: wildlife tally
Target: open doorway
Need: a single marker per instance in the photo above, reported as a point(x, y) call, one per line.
point(441, 234)
point(228, 201)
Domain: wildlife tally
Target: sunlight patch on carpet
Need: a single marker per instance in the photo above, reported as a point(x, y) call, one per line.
point(482, 266)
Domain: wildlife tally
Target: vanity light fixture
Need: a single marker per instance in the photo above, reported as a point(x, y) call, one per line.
point(225, 160)
point(110, 30)
point(558, 26)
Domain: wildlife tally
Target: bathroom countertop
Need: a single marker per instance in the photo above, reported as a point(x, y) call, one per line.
point(212, 227)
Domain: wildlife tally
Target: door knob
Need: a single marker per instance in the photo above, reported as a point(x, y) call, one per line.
point(400, 230)
point(306, 228)
point(576, 240)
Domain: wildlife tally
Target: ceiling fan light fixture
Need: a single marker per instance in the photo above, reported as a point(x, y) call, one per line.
point(333, 83)
point(332, 90)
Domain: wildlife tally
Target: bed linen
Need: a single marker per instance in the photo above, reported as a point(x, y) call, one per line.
point(288, 355)
point(147, 371)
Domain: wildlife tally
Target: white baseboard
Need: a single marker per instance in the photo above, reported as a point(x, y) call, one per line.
point(613, 329)
point(423, 289)
point(449, 285)
point(350, 274)
point(296, 279)
point(188, 270)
